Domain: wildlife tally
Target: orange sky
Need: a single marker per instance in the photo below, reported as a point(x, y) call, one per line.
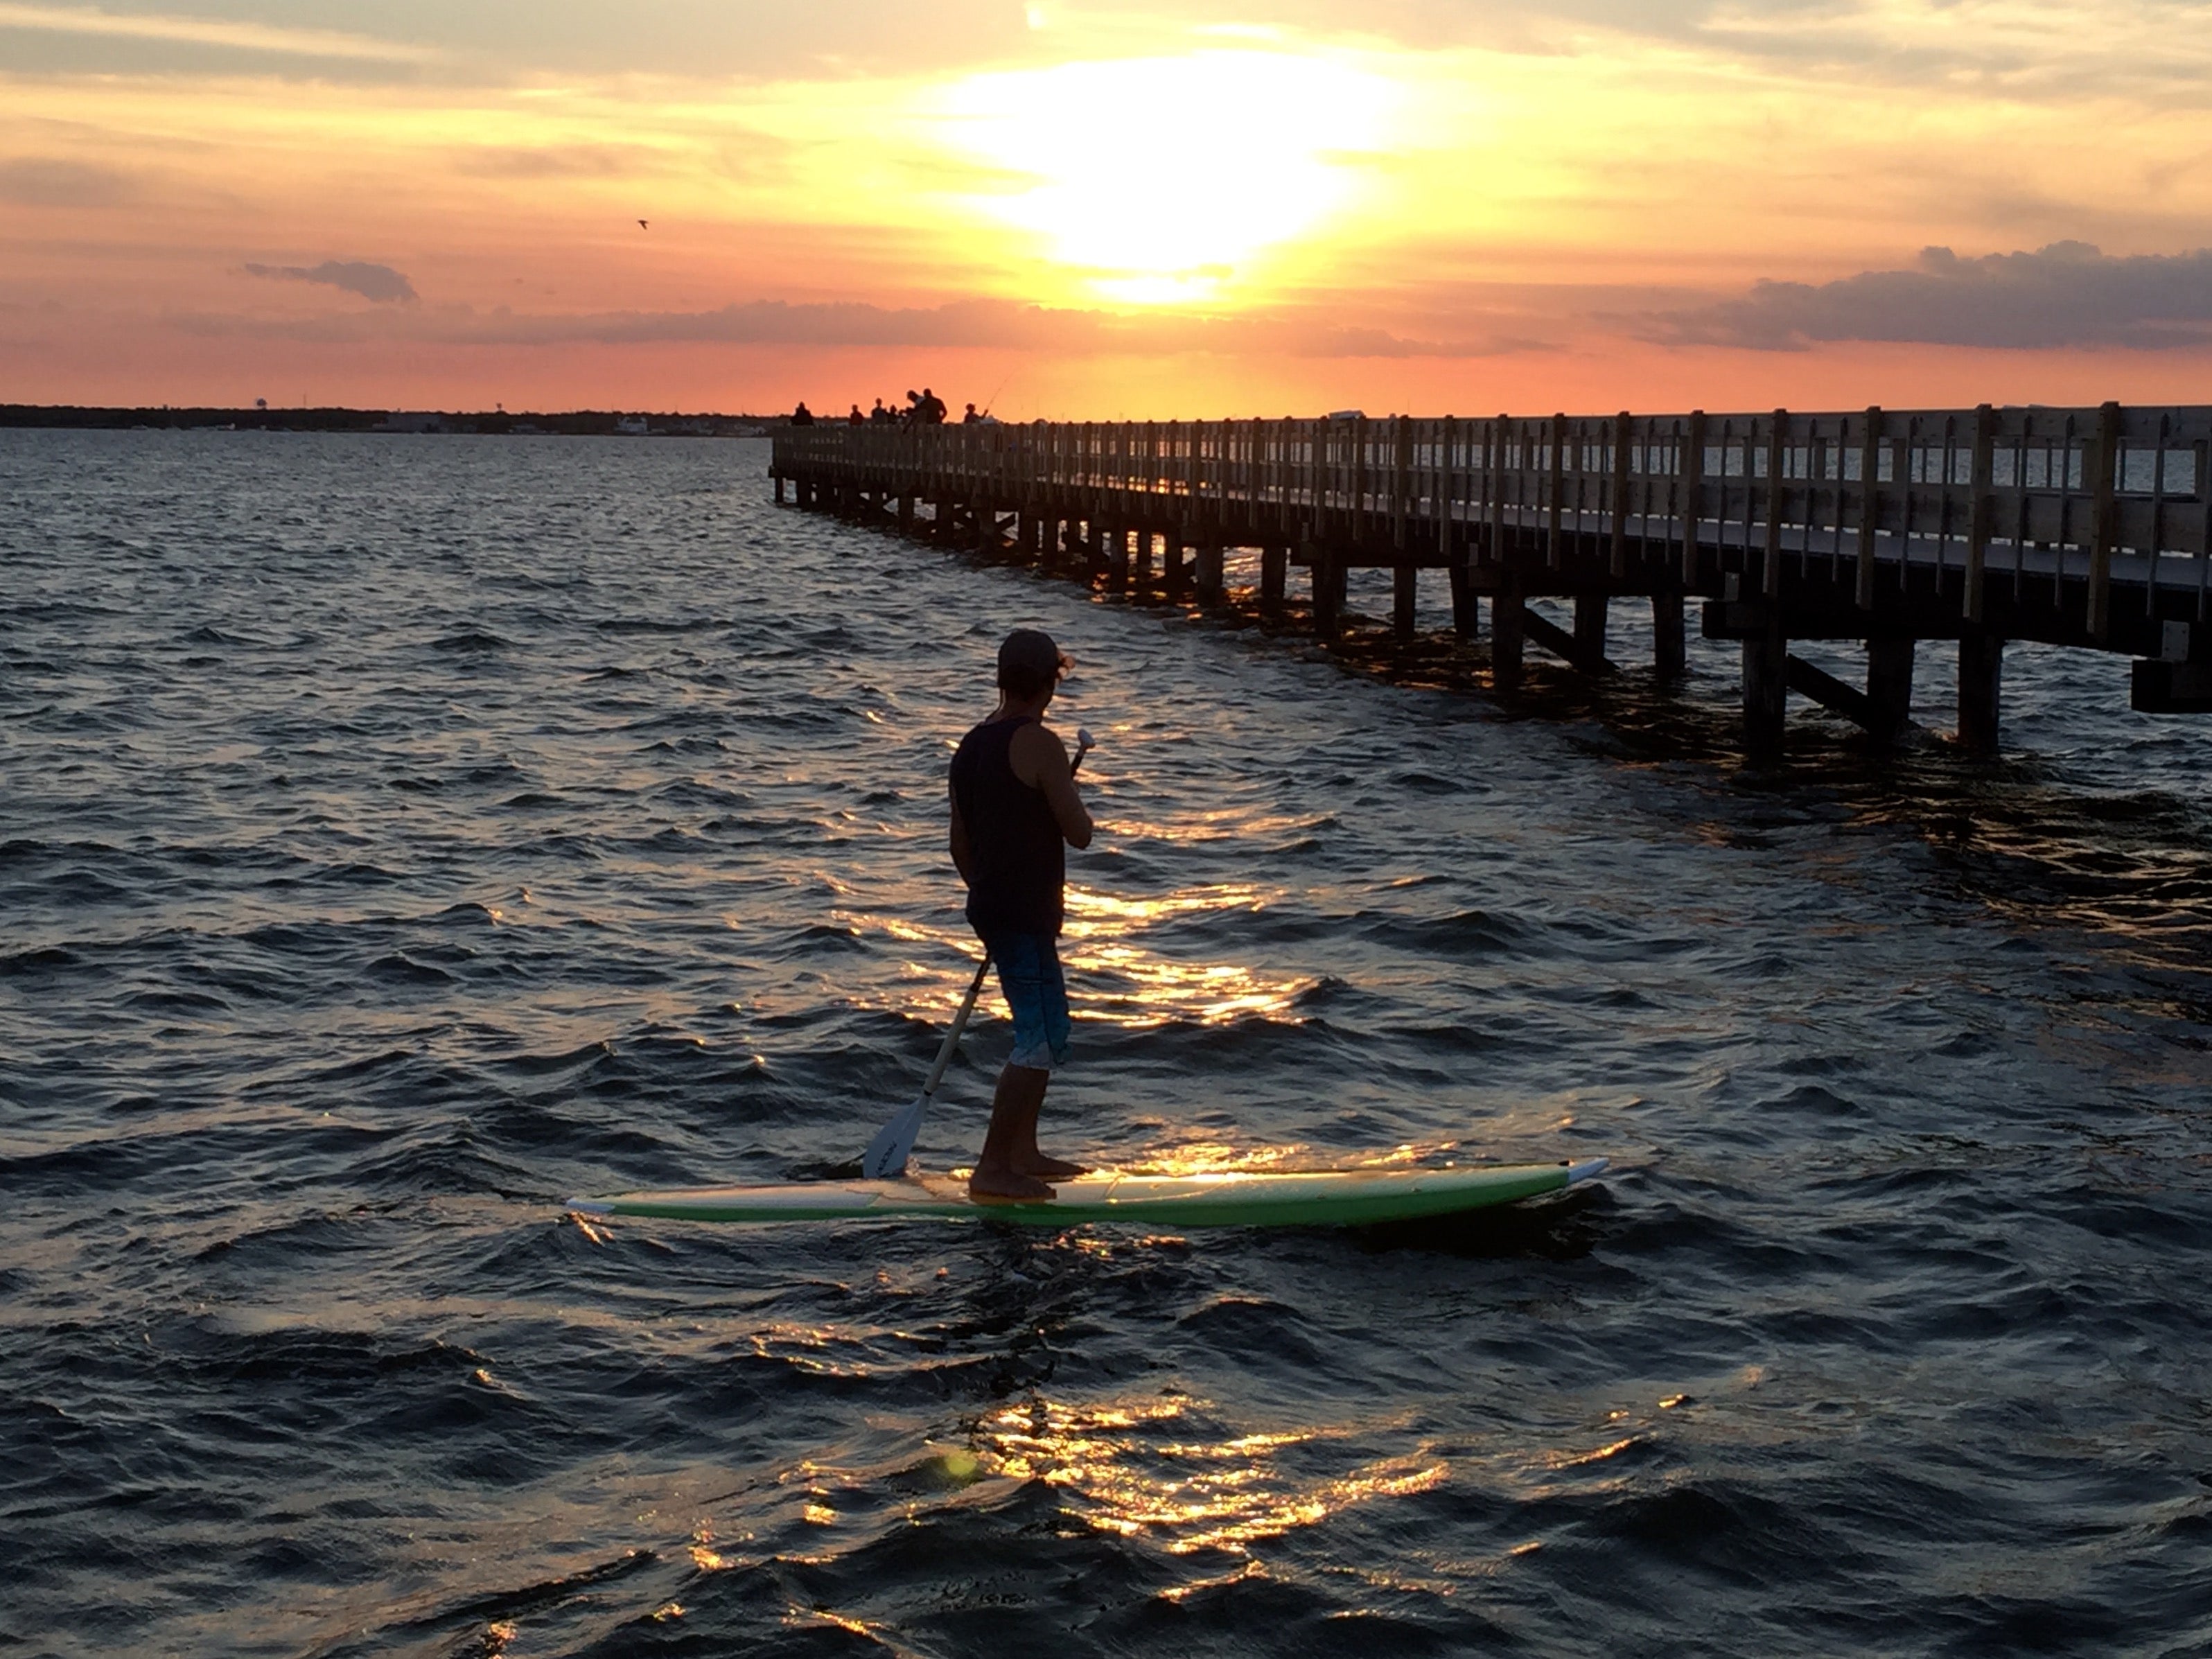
point(1094, 212)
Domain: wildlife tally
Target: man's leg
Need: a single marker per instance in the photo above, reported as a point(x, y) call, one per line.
point(1027, 1159)
point(1009, 1143)
point(1010, 1164)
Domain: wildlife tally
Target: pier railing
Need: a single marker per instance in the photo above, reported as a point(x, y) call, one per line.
point(2088, 526)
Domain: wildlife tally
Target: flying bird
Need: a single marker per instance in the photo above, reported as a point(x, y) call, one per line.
point(640, 224)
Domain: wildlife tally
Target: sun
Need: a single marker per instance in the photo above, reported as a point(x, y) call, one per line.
point(1159, 180)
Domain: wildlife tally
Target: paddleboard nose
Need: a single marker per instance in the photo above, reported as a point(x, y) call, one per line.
point(1586, 1169)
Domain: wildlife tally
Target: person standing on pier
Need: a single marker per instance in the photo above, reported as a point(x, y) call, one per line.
point(1015, 812)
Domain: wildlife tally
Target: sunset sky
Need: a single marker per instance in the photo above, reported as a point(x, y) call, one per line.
point(1093, 211)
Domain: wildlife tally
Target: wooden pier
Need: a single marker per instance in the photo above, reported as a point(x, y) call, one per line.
point(2088, 528)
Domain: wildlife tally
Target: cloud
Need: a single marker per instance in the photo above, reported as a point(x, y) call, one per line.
point(970, 325)
point(45, 181)
point(208, 32)
point(2069, 294)
point(554, 161)
point(980, 324)
point(379, 283)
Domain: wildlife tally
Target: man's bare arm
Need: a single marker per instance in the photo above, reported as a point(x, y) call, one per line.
point(1040, 760)
point(960, 854)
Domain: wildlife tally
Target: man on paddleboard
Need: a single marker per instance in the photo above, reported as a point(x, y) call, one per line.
point(1015, 812)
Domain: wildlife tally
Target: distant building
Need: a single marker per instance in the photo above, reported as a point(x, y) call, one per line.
point(411, 419)
point(633, 426)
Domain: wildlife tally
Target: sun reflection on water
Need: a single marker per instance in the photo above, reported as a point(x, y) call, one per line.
point(1116, 977)
point(1133, 1469)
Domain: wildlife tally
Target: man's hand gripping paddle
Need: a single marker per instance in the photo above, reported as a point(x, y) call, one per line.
point(888, 1153)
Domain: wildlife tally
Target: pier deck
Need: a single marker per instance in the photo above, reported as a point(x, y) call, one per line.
point(2087, 528)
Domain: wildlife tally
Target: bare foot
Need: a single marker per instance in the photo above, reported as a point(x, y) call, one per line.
point(1050, 1169)
point(1005, 1187)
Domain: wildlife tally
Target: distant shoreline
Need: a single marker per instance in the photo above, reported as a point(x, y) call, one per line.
point(586, 423)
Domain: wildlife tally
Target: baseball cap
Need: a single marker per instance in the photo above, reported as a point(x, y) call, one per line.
point(1030, 652)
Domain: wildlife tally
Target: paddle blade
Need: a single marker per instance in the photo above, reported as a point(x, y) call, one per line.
point(887, 1154)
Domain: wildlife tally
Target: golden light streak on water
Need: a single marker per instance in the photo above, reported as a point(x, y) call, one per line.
point(1187, 1494)
point(1113, 977)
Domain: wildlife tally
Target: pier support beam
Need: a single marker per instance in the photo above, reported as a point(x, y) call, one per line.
point(1670, 653)
point(1213, 588)
point(1117, 557)
point(1589, 631)
point(1405, 601)
point(1766, 690)
point(1889, 687)
point(1981, 673)
point(1274, 576)
point(1508, 633)
point(1466, 604)
point(779, 490)
point(1327, 572)
point(1141, 558)
point(1175, 569)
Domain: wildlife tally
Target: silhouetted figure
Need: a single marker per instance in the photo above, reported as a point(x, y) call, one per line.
point(879, 416)
point(856, 418)
point(970, 417)
point(802, 415)
point(930, 410)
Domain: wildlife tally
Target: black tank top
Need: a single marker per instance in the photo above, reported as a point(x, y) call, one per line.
point(1014, 843)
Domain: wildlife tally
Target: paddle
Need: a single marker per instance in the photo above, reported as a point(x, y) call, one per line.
point(888, 1153)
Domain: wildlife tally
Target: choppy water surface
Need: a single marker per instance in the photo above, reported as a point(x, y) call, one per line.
point(398, 835)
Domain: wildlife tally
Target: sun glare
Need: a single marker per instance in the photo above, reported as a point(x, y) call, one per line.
point(1158, 181)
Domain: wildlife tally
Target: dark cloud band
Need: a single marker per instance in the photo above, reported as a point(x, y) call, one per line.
point(2069, 294)
point(379, 283)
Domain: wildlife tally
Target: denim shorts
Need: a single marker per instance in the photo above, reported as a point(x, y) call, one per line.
point(1036, 996)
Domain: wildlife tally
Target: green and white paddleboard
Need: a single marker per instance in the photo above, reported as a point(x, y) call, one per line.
point(1229, 1198)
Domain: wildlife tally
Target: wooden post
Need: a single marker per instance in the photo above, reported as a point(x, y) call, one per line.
point(1777, 495)
point(1981, 674)
point(906, 514)
point(779, 490)
point(1670, 657)
point(1620, 448)
point(1558, 489)
point(1693, 459)
point(1870, 502)
point(2104, 528)
point(1497, 436)
point(1117, 557)
point(1589, 630)
point(1889, 682)
point(1274, 575)
point(1327, 572)
point(1212, 588)
point(1140, 559)
point(1401, 477)
point(1465, 603)
point(1982, 509)
point(1507, 638)
point(1765, 690)
point(1405, 595)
